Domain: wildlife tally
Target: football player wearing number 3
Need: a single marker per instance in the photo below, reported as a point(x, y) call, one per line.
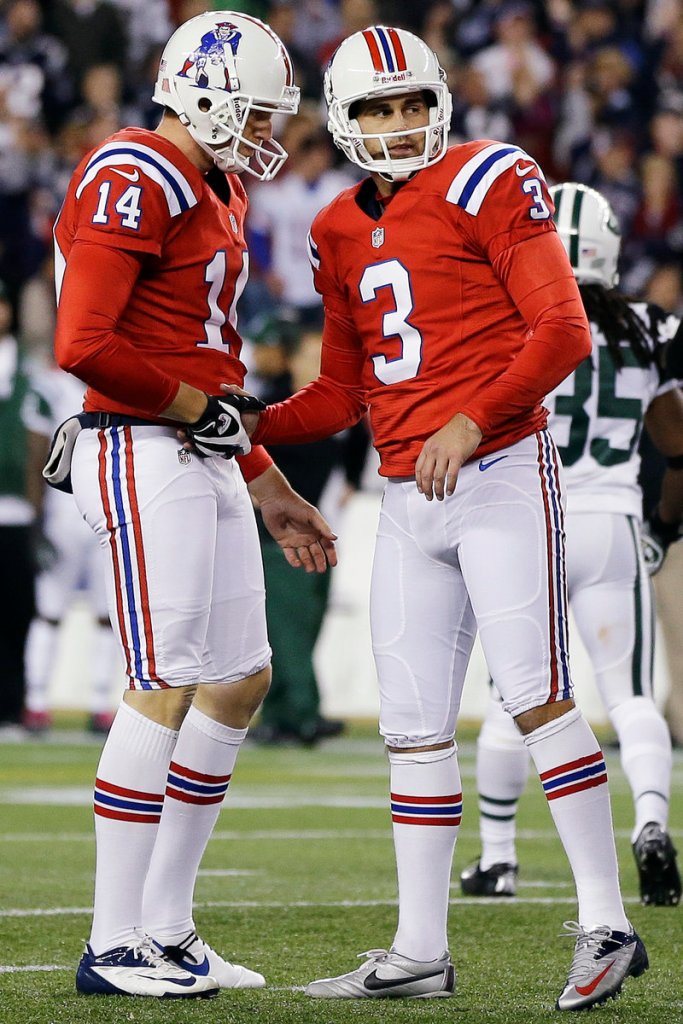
point(451, 311)
point(151, 259)
point(596, 417)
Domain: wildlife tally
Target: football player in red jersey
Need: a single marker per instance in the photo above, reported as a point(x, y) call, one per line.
point(151, 261)
point(451, 310)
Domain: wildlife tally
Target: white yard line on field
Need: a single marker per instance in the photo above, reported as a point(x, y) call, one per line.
point(462, 901)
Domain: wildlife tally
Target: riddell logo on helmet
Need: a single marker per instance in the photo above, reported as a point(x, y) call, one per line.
point(382, 78)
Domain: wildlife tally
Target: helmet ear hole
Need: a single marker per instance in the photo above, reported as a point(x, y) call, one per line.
point(204, 104)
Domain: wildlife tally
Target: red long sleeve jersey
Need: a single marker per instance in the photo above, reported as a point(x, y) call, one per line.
point(459, 297)
point(150, 264)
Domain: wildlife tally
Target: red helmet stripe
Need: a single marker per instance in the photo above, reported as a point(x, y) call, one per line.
point(374, 50)
point(398, 49)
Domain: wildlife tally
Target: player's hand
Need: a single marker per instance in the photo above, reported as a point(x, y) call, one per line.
point(442, 455)
point(248, 416)
point(656, 537)
point(305, 537)
point(219, 431)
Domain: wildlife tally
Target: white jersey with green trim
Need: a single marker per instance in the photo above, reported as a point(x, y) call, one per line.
point(596, 419)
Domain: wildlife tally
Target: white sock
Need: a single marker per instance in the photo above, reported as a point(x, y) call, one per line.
point(104, 656)
point(572, 769)
point(645, 748)
point(426, 807)
point(39, 659)
point(502, 772)
point(198, 779)
point(129, 796)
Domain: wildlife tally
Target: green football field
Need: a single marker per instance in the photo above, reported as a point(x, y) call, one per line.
point(298, 879)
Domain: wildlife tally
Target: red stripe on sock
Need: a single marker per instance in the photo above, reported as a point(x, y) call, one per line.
point(108, 812)
point(402, 819)
point(137, 794)
point(190, 773)
point(454, 798)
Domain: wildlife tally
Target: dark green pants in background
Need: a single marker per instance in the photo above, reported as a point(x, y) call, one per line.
point(295, 608)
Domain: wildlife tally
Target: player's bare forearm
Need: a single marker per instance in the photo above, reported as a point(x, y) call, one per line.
point(305, 537)
point(442, 455)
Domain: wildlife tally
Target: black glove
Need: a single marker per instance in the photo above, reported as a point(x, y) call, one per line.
point(219, 431)
point(656, 538)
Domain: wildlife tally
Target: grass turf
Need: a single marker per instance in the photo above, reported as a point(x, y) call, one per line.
point(297, 879)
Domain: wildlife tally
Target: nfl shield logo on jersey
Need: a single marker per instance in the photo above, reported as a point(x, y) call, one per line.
point(184, 457)
point(377, 238)
point(233, 221)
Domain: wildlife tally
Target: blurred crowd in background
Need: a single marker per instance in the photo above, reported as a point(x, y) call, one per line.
point(592, 89)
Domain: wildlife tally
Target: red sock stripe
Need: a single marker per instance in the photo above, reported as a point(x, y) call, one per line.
point(452, 799)
point(402, 819)
point(190, 773)
point(374, 50)
point(109, 812)
point(571, 766)
point(136, 794)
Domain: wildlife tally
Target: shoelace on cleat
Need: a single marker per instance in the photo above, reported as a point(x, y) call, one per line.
point(588, 947)
point(146, 951)
point(379, 955)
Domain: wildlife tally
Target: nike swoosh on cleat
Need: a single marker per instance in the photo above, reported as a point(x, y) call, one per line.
point(586, 990)
point(522, 169)
point(487, 465)
point(131, 175)
point(374, 984)
point(201, 970)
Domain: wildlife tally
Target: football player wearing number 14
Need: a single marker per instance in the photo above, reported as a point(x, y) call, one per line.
point(151, 258)
point(451, 310)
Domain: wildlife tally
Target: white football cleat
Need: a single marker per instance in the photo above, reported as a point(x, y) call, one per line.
point(139, 970)
point(388, 975)
point(197, 957)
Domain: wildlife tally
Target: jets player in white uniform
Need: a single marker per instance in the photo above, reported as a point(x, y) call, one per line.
point(597, 416)
point(72, 565)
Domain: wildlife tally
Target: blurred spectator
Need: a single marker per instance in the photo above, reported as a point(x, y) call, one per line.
point(280, 217)
point(657, 230)
point(665, 287)
point(476, 115)
point(283, 18)
point(24, 439)
point(93, 32)
point(519, 74)
point(355, 16)
point(148, 25)
point(34, 84)
point(37, 312)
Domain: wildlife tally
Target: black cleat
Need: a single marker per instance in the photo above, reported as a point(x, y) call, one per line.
point(655, 855)
point(498, 880)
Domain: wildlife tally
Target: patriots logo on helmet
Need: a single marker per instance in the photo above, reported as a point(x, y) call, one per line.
point(212, 52)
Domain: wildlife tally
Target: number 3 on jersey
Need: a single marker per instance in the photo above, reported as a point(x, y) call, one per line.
point(394, 275)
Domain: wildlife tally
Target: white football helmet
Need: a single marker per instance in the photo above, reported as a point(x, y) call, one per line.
point(216, 69)
point(589, 230)
point(377, 62)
